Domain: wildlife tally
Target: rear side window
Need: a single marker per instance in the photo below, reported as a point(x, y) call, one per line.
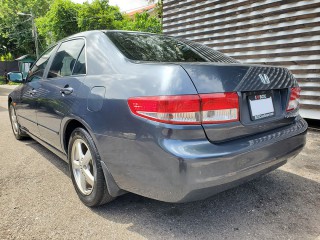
point(159, 48)
point(155, 48)
point(66, 58)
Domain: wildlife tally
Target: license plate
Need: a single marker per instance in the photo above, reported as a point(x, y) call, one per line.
point(261, 106)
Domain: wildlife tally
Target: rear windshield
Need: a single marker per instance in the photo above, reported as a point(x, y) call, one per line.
point(159, 48)
point(155, 48)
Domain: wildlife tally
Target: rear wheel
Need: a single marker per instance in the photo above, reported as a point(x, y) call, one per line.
point(86, 171)
point(15, 124)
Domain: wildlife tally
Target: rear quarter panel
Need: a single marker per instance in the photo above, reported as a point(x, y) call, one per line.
point(127, 144)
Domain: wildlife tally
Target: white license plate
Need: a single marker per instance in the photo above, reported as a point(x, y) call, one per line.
point(261, 106)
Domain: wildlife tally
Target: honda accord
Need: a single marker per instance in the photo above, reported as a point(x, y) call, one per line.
point(162, 117)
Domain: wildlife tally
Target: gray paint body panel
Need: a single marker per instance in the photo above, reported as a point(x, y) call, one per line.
point(173, 163)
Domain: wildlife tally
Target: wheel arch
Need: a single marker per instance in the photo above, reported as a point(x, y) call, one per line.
point(9, 100)
point(69, 126)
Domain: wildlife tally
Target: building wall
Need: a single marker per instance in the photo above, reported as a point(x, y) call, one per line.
point(275, 32)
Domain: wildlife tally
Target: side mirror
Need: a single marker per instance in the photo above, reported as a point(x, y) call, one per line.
point(15, 77)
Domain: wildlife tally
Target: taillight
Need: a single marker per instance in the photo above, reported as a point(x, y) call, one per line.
point(294, 99)
point(220, 107)
point(187, 109)
point(167, 109)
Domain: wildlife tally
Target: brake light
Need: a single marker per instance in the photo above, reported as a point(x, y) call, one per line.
point(294, 99)
point(220, 107)
point(187, 109)
point(167, 109)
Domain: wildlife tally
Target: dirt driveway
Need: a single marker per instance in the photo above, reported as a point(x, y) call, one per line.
point(37, 201)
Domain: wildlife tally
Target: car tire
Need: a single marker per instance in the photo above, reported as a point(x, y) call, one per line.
point(86, 171)
point(19, 135)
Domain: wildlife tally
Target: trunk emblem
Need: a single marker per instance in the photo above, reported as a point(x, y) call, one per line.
point(264, 78)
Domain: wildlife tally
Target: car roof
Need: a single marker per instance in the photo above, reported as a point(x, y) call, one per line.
point(93, 32)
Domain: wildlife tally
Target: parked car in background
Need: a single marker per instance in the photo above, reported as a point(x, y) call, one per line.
point(158, 116)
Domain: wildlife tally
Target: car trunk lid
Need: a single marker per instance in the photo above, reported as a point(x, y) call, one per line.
point(259, 88)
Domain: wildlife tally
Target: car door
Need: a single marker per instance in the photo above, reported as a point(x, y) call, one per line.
point(28, 104)
point(59, 89)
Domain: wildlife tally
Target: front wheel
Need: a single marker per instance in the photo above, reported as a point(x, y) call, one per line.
point(15, 124)
point(86, 171)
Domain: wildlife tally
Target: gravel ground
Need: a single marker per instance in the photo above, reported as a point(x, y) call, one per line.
point(37, 201)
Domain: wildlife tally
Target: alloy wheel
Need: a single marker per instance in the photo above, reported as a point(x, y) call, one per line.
point(14, 121)
point(82, 166)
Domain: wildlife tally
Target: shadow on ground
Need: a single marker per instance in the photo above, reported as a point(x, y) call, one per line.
point(48, 155)
point(279, 204)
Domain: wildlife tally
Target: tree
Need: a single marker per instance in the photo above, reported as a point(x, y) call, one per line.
point(56, 19)
point(99, 15)
point(60, 21)
point(16, 31)
point(142, 22)
point(159, 8)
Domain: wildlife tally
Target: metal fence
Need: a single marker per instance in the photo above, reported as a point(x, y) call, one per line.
point(8, 66)
point(274, 32)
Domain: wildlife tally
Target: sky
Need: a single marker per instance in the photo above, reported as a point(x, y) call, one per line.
point(124, 5)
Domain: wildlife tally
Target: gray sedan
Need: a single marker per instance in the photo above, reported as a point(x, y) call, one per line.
point(158, 116)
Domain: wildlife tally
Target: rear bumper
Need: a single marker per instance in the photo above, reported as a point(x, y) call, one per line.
point(207, 178)
point(189, 170)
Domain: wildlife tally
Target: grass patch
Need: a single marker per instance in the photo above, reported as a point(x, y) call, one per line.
point(2, 82)
point(13, 83)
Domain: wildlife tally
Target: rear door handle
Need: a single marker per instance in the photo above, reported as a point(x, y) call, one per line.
point(66, 91)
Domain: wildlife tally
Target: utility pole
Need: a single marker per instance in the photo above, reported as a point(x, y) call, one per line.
point(35, 35)
point(34, 31)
